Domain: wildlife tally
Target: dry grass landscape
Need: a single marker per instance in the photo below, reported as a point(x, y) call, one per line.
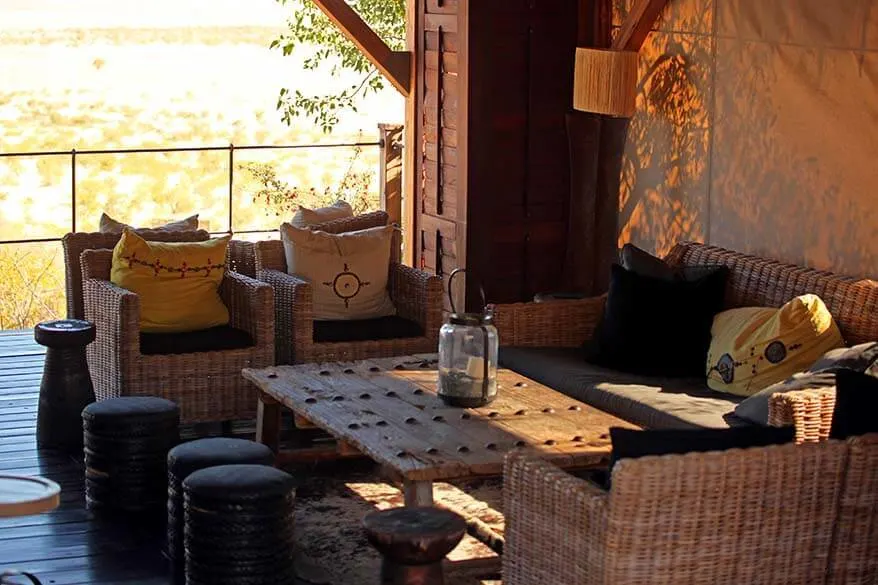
point(111, 75)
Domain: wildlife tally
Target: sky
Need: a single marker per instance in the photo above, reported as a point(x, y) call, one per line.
point(49, 14)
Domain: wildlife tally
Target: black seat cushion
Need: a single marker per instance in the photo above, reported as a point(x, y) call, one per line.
point(220, 338)
point(236, 482)
point(393, 327)
point(633, 443)
point(124, 411)
point(201, 453)
point(856, 405)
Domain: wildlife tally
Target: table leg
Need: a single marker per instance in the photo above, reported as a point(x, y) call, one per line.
point(418, 493)
point(268, 421)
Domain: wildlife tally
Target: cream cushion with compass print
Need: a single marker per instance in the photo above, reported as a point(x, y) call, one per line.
point(348, 271)
point(754, 347)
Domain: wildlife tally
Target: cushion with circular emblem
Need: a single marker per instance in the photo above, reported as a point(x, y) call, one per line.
point(752, 348)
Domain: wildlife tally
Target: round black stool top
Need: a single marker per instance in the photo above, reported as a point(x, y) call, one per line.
point(64, 333)
point(127, 410)
point(239, 482)
point(194, 455)
point(414, 535)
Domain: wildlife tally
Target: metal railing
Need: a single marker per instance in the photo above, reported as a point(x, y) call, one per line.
point(231, 149)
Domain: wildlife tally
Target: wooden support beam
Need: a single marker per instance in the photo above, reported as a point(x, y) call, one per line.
point(396, 66)
point(638, 24)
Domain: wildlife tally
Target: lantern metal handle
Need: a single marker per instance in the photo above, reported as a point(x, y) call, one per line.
point(451, 296)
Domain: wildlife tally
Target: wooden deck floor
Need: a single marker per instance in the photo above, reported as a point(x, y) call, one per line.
point(67, 546)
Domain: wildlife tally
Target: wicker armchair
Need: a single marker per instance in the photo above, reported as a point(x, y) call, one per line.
point(791, 514)
point(206, 385)
point(416, 294)
point(753, 281)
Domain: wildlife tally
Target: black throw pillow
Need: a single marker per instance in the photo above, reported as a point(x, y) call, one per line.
point(856, 405)
point(653, 326)
point(632, 443)
point(645, 264)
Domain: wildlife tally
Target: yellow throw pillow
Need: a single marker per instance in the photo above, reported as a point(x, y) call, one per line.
point(178, 282)
point(754, 347)
point(348, 272)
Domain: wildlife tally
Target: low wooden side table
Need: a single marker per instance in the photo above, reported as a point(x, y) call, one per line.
point(22, 495)
point(66, 387)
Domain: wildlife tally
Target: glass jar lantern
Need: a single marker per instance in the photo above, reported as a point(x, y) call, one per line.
point(468, 348)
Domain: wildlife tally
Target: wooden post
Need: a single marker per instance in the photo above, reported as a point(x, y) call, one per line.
point(268, 421)
point(390, 170)
point(390, 181)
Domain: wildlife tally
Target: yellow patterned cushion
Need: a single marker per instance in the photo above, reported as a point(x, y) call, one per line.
point(754, 347)
point(178, 282)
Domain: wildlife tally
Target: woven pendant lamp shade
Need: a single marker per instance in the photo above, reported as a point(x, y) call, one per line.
point(604, 81)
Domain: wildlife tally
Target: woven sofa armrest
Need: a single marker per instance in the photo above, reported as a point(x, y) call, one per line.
point(809, 411)
point(417, 296)
point(293, 314)
point(566, 323)
point(555, 524)
point(251, 306)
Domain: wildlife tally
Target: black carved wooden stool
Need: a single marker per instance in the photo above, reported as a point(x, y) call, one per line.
point(66, 387)
point(127, 440)
point(193, 456)
point(413, 542)
point(239, 526)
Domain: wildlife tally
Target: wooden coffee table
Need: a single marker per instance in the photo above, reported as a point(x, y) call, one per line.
point(388, 410)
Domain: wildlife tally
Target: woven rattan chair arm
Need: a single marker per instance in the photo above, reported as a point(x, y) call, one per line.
point(809, 411)
point(555, 524)
point(564, 323)
point(251, 306)
point(96, 264)
point(116, 315)
point(417, 296)
point(293, 314)
point(242, 257)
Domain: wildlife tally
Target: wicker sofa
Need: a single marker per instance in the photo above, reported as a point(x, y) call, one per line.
point(792, 514)
point(541, 340)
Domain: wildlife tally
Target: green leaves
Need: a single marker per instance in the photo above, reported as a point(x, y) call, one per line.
point(310, 29)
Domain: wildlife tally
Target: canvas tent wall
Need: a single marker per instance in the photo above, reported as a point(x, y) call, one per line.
point(757, 129)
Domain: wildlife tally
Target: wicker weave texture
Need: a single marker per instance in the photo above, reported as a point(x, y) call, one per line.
point(762, 515)
point(75, 243)
point(762, 282)
point(416, 295)
point(855, 551)
point(206, 385)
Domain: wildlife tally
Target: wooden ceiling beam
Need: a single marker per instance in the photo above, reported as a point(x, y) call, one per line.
point(637, 25)
point(396, 66)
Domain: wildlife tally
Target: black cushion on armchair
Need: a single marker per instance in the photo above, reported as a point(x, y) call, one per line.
point(224, 337)
point(393, 327)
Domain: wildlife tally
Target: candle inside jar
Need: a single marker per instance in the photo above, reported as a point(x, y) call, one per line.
point(475, 368)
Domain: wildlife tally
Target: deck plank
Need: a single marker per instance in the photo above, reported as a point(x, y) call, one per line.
point(67, 546)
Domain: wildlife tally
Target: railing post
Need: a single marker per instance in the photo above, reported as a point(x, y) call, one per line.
point(73, 190)
point(231, 184)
